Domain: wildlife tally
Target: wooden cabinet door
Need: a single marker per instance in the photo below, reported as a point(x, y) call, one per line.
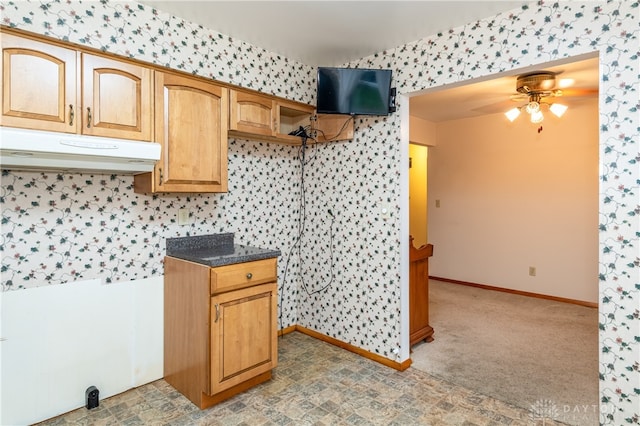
point(116, 99)
point(252, 114)
point(243, 335)
point(39, 85)
point(191, 124)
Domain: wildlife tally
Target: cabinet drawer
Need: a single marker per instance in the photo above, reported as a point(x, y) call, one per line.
point(232, 277)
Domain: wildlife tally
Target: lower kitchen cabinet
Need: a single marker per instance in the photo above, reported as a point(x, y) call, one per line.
point(220, 328)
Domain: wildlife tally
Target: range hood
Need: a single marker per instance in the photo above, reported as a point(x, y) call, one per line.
point(22, 149)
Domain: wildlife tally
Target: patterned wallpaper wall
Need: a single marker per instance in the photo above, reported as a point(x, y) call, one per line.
point(353, 180)
point(58, 228)
point(366, 175)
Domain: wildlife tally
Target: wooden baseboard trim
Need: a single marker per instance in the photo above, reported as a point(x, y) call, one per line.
point(287, 330)
point(400, 366)
point(518, 292)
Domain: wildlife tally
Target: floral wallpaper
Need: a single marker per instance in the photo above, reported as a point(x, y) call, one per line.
point(366, 174)
point(57, 228)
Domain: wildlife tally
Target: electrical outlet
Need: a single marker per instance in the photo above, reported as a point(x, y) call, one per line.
point(183, 217)
point(532, 271)
point(438, 204)
point(92, 397)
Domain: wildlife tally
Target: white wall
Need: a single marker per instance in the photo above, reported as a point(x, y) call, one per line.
point(512, 198)
point(418, 194)
point(421, 131)
point(61, 339)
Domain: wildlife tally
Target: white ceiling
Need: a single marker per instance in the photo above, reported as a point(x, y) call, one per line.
point(498, 94)
point(332, 33)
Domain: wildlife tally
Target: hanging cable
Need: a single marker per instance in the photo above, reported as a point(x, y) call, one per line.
point(302, 152)
point(333, 138)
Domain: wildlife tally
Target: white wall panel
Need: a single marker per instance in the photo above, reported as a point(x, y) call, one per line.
point(61, 339)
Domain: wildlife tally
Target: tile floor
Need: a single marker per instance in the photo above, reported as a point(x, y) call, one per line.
point(315, 383)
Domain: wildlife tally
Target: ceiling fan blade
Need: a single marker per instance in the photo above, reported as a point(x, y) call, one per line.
point(497, 107)
point(579, 92)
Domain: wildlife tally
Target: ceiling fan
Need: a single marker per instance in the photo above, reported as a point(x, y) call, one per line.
point(538, 89)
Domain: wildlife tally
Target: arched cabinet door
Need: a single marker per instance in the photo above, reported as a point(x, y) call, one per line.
point(39, 85)
point(191, 121)
point(116, 99)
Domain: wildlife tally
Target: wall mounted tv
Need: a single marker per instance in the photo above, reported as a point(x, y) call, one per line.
point(354, 91)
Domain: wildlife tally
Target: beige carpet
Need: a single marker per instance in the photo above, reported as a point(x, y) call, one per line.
point(536, 354)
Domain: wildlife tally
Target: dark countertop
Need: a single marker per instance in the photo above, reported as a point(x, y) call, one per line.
point(215, 250)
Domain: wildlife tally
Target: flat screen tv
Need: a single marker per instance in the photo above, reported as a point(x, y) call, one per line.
point(354, 91)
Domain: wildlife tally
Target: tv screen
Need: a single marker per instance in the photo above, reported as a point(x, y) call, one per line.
point(353, 91)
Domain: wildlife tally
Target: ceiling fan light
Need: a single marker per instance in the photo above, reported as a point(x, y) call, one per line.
point(512, 114)
point(563, 83)
point(537, 117)
point(558, 109)
point(533, 107)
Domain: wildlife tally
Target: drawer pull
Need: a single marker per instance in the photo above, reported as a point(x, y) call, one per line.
point(217, 312)
point(249, 275)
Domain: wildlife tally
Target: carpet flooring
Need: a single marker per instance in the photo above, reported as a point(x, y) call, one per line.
point(533, 353)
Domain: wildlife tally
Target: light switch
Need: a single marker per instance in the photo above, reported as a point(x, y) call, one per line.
point(438, 203)
point(183, 217)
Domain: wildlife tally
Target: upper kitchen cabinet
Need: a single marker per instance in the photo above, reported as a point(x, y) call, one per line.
point(268, 118)
point(116, 98)
point(191, 117)
point(251, 114)
point(39, 85)
point(263, 117)
point(41, 90)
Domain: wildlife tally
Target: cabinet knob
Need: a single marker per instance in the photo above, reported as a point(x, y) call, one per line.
point(249, 275)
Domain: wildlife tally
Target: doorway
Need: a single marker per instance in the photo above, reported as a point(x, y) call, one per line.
point(504, 198)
